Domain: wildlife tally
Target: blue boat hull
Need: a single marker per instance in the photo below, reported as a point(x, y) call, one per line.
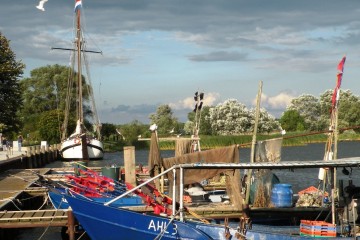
point(59, 202)
point(109, 223)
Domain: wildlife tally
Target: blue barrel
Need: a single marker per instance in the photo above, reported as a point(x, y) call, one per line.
point(282, 195)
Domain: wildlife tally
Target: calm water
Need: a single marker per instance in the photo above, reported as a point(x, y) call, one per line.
point(299, 179)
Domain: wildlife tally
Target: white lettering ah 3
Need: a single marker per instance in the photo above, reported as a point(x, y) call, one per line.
point(159, 226)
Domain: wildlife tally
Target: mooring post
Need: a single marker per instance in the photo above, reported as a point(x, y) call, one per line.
point(129, 164)
point(42, 156)
point(71, 225)
point(38, 156)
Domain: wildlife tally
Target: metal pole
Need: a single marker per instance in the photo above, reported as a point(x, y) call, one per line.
point(174, 192)
point(181, 194)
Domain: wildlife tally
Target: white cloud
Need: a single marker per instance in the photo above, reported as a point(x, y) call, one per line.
point(279, 101)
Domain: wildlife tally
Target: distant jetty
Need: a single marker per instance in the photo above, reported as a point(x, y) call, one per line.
point(29, 157)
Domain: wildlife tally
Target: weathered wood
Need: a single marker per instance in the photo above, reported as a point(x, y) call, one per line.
point(129, 164)
point(71, 225)
point(33, 218)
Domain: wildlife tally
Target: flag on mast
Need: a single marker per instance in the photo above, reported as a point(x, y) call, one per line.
point(340, 70)
point(77, 5)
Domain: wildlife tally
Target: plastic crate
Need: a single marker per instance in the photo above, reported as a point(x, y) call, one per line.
point(317, 229)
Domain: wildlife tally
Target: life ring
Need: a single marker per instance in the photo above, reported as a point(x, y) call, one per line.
point(77, 140)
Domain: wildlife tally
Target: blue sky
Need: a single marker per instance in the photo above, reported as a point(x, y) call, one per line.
point(161, 52)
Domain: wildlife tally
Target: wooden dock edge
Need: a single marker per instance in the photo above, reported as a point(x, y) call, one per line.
point(39, 218)
point(31, 157)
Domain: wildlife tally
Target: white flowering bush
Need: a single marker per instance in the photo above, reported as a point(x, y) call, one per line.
point(233, 118)
point(229, 118)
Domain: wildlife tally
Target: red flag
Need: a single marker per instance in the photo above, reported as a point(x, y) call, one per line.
point(77, 5)
point(340, 69)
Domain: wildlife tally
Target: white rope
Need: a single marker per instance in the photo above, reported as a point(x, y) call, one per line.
point(12, 200)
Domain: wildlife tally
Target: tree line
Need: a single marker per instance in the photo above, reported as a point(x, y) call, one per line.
point(34, 107)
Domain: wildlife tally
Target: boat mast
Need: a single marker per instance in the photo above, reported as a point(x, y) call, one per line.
point(331, 144)
point(253, 143)
point(78, 49)
point(79, 45)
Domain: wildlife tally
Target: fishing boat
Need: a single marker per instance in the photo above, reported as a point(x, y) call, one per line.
point(103, 221)
point(81, 144)
point(90, 185)
point(57, 199)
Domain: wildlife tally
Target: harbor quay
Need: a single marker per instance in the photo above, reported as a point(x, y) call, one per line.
point(28, 157)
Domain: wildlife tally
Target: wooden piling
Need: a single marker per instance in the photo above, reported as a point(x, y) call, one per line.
point(129, 164)
point(71, 225)
point(34, 157)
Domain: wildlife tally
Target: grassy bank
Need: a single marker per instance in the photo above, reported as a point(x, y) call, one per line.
point(207, 142)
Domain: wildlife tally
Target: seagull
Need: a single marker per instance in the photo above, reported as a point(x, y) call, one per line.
point(283, 132)
point(118, 131)
point(41, 5)
point(172, 130)
point(139, 136)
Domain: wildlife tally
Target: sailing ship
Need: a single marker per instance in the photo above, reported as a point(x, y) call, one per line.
point(82, 144)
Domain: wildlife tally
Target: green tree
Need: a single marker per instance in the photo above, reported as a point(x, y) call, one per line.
point(308, 106)
point(164, 119)
point(266, 123)
point(49, 126)
point(205, 125)
point(108, 129)
point(46, 90)
point(132, 131)
point(349, 109)
point(10, 92)
point(189, 127)
point(291, 121)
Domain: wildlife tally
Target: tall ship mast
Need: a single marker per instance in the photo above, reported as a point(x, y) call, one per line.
point(81, 144)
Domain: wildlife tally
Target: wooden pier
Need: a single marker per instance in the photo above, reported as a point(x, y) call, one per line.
point(19, 195)
point(29, 157)
point(34, 218)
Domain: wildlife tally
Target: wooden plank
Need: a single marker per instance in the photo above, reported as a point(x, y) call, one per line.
point(34, 218)
point(17, 215)
point(37, 215)
point(27, 214)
